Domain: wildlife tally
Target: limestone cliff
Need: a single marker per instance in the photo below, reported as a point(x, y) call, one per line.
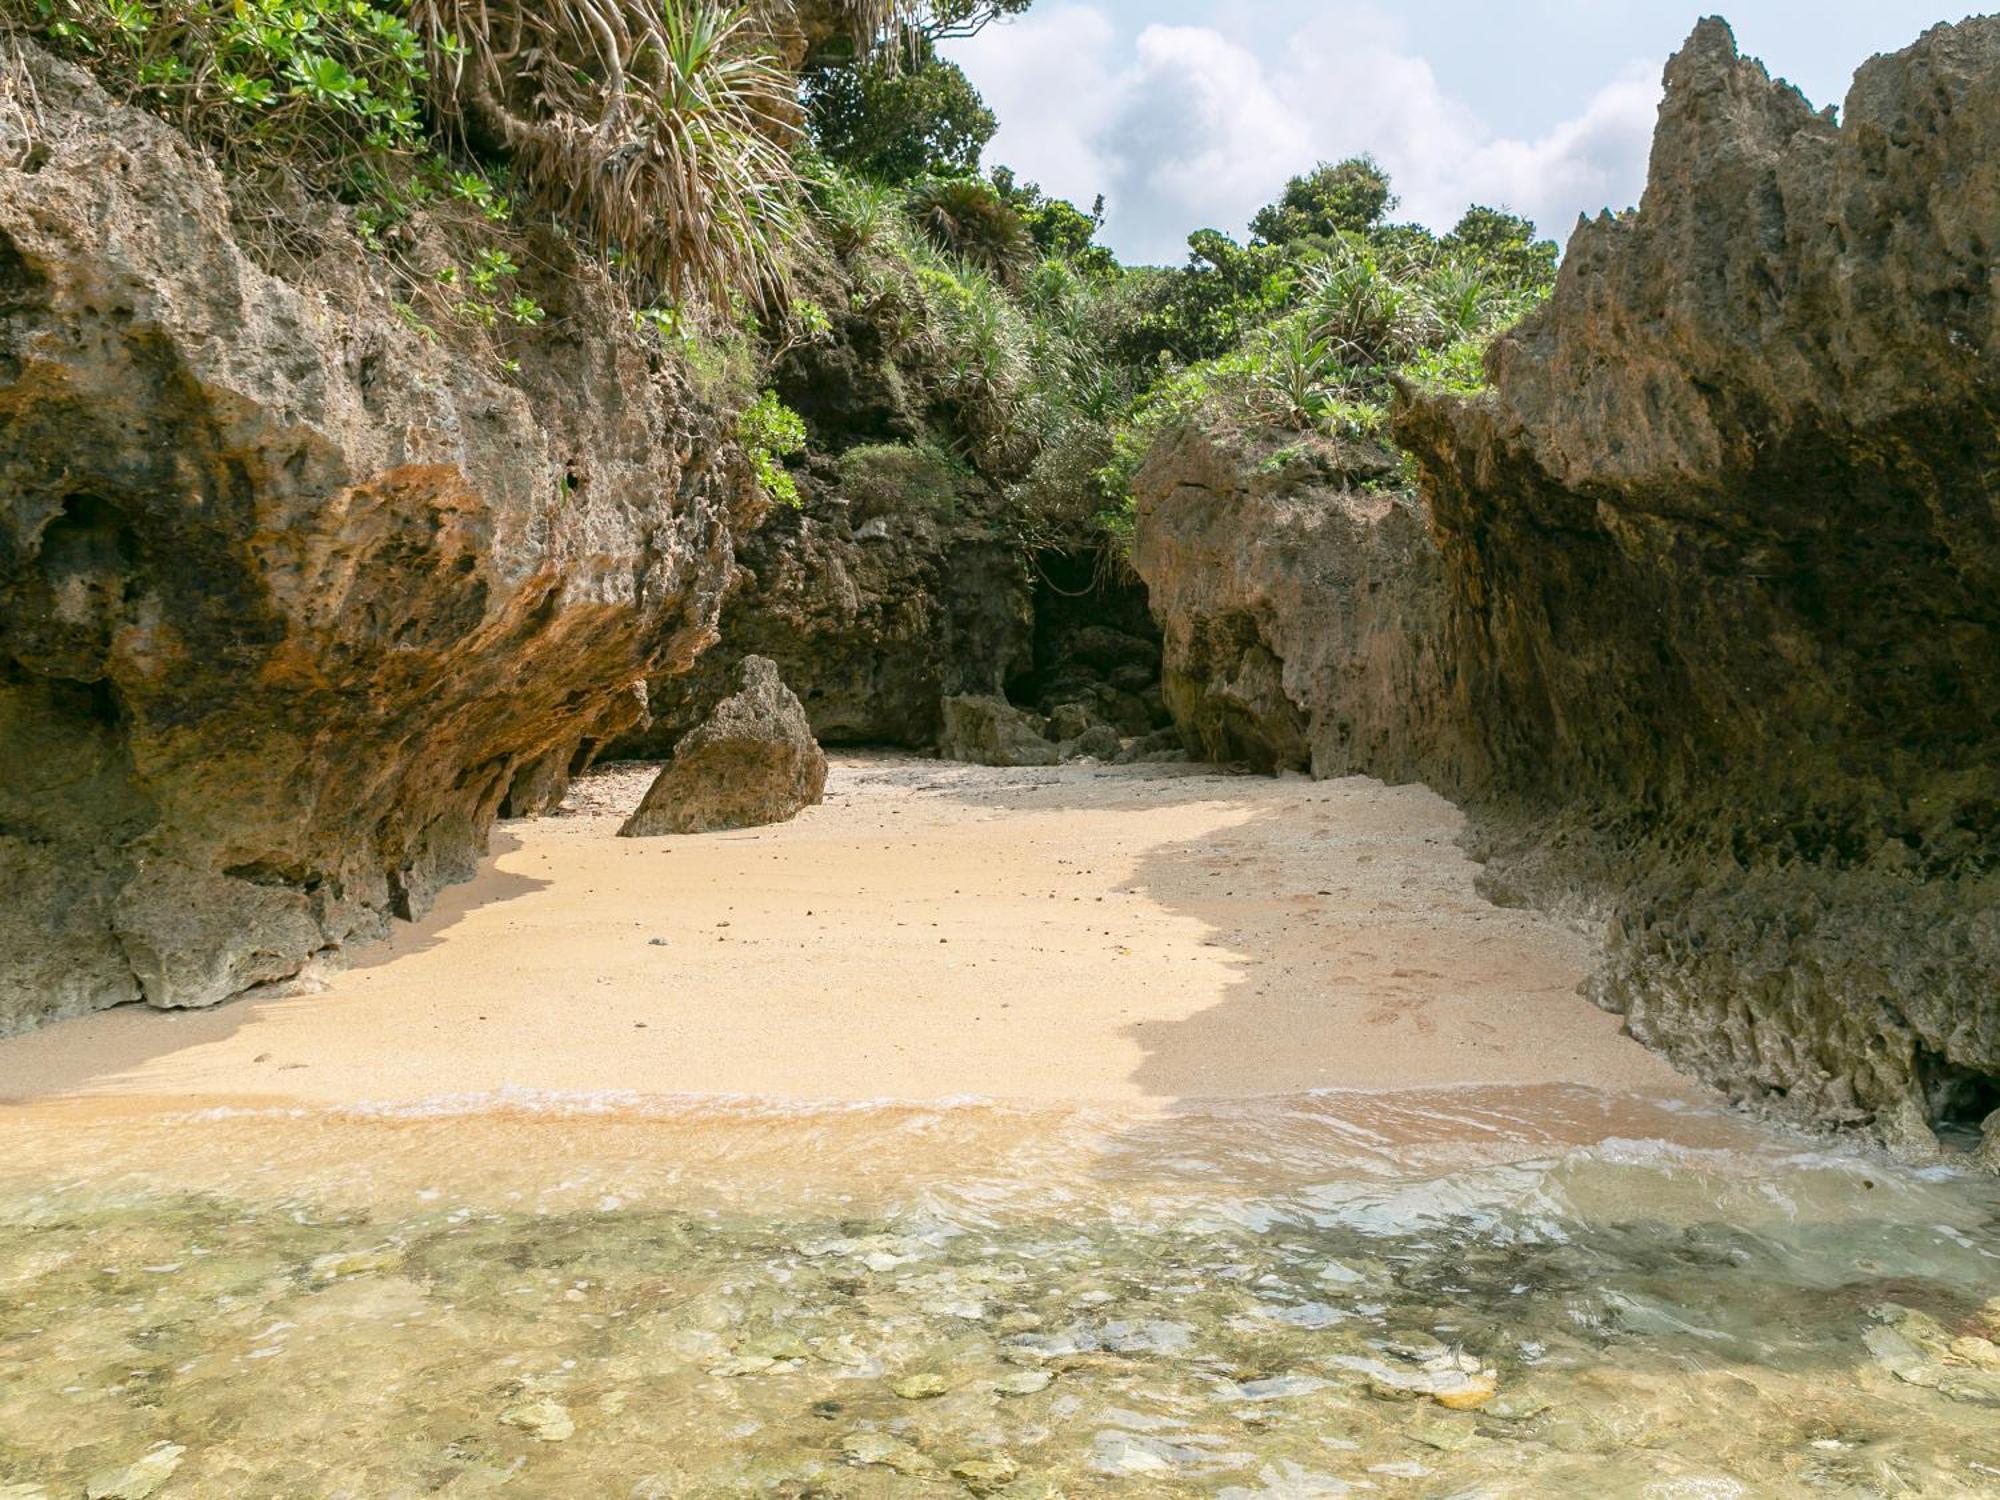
point(874, 615)
point(1301, 603)
point(1717, 645)
point(904, 578)
point(293, 597)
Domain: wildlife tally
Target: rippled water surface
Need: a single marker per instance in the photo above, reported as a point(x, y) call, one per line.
point(1476, 1294)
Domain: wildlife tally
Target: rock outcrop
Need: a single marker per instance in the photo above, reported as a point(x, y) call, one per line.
point(873, 614)
point(1302, 612)
point(1717, 646)
point(988, 731)
point(753, 761)
point(292, 598)
point(1097, 646)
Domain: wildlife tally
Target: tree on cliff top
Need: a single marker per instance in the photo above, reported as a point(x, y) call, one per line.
point(899, 119)
point(1507, 243)
point(1348, 197)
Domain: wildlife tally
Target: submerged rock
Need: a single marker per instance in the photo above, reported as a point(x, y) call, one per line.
point(545, 1421)
point(138, 1480)
point(1919, 1350)
point(753, 761)
point(1024, 1383)
point(346, 1263)
point(1463, 1391)
point(878, 1449)
point(984, 1476)
point(291, 596)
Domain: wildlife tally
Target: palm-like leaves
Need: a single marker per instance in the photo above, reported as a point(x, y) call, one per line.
point(1461, 299)
point(657, 128)
point(979, 342)
point(966, 217)
point(1296, 381)
point(1466, 300)
point(1365, 316)
point(858, 216)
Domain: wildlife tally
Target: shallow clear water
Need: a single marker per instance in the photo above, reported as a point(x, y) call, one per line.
point(1486, 1293)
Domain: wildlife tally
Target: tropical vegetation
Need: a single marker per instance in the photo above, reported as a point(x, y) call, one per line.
point(759, 213)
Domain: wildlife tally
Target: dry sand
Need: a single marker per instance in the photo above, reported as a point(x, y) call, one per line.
point(932, 932)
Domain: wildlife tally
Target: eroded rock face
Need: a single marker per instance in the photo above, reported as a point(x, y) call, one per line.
point(753, 761)
point(904, 578)
point(1720, 616)
point(291, 599)
point(872, 616)
point(1302, 613)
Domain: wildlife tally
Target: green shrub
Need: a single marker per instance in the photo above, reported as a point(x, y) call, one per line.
point(1367, 317)
point(1458, 369)
point(1202, 310)
point(1349, 197)
point(1059, 229)
point(771, 432)
point(978, 339)
point(326, 87)
point(658, 130)
point(882, 479)
point(1295, 376)
point(857, 216)
point(1506, 244)
point(966, 218)
point(899, 118)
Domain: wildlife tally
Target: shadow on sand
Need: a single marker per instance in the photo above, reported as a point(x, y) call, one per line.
point(97, 1051)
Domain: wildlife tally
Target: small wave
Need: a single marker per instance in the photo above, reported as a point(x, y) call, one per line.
point(605, 1103)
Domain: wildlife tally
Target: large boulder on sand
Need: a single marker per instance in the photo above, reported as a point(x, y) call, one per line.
point(752, 761)
point(984, 731)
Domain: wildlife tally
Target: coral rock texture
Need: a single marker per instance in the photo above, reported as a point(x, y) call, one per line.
point(290, 597)
point(1717, 647)
point(753, 761)
point(873, 618)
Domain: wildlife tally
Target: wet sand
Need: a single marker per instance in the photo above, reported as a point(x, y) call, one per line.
point(1126, 936)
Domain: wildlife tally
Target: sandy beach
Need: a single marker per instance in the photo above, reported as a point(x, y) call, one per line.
point(932, 932)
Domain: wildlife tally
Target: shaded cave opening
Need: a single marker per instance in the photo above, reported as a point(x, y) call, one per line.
point(1095, 642)
point(1958, 1099)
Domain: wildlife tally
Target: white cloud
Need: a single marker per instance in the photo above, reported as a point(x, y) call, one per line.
point(1196, 130)
point(1185, 127)
point(1593, 162)
point(1050, 79)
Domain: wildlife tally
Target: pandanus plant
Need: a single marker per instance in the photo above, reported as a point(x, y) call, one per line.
point(1362, 313)
point(659, 130)
point(966, 217)
point(1296, 382)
